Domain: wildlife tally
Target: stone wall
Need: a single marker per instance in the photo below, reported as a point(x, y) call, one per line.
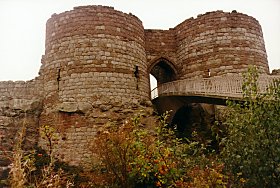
point(160, 44)
point(77, 130)
point(20, 106)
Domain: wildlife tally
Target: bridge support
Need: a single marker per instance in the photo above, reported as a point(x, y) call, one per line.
point(186, 111)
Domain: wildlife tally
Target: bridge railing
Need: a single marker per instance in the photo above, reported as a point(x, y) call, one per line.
point(224, 86)
point(154, 93)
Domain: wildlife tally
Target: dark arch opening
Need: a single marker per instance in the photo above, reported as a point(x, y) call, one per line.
point(182, 120)
point(164, 71)
point(193, 117)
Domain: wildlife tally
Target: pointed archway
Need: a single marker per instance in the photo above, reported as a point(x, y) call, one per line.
point(163, 71)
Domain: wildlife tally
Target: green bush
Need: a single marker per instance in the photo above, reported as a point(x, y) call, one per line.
point(251, 148)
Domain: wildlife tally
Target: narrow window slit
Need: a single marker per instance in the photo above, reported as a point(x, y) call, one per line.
point(58, 79)
point(137, 76)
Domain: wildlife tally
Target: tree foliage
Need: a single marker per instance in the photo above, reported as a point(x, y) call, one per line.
point(251, 148)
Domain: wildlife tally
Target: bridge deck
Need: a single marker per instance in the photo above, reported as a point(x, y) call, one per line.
point(226, 87)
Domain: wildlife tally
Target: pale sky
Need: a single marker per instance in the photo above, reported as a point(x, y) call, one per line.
point(22, 25)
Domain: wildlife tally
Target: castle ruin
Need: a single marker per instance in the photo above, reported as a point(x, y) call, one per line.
point(97, 64)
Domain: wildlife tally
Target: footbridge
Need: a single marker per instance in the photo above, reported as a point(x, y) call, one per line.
point(175, 95)
point(223, 87)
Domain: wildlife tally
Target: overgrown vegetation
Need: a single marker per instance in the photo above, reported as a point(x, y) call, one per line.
point(134, 155)
point(37, 169)
point(251, 147)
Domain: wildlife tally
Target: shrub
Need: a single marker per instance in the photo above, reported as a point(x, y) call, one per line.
point(251, 147)
point(20, 163)
point(137, 156)
point(211, 176)
point(33, 169)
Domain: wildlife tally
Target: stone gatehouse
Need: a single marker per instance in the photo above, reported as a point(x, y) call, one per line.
point(97, 64)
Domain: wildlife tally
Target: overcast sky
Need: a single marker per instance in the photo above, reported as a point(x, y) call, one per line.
point(22, 25)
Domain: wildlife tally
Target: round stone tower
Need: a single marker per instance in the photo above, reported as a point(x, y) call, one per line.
point(94, 52)
point(94, 71)
point(219, 43)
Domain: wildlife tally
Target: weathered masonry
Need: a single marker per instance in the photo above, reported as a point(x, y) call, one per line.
point(96, 69)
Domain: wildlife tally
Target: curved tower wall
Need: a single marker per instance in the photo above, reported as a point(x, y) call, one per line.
point(94, 52)
point(94, 71)
point(219, 43)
